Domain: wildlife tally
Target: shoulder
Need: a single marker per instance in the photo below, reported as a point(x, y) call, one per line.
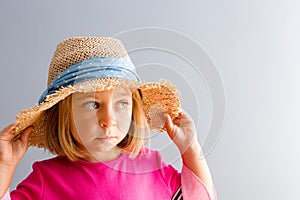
point(54, 170)
point(170, 176)
point(56, 159)
point(52, 163)
point(154, 158)
point(43, 174)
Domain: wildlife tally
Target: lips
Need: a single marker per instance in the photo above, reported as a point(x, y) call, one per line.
point(106, 139)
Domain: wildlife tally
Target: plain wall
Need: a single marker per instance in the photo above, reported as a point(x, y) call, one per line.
point(254, 45)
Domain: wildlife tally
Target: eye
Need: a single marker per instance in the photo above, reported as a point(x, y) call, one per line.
point(91, 105)
point(122, 104)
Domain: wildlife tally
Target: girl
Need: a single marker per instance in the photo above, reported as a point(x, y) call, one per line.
point(95, 116)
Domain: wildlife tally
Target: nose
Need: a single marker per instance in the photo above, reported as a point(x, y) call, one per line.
point(107, 117)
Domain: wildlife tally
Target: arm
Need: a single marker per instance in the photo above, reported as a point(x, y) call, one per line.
point(11, 152)
point(182, 131)
point(193, 160)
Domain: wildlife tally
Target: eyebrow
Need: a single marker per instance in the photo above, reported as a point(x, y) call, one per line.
point(80, 96)
point(123, 94)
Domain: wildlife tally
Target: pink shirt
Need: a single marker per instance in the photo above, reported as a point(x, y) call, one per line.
point(145, 177)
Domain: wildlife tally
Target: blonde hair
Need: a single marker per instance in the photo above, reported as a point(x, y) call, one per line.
point(63, 141)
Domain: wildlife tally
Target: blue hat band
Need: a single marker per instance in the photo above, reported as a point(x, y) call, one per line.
point(94, 68)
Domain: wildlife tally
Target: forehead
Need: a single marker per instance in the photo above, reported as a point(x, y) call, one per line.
point(116, 93)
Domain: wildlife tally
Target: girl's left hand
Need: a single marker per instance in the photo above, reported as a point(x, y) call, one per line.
point(183, 133)
point(181, 130)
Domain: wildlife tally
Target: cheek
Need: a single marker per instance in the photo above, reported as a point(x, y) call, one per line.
point(124, 120)
point(83, 122)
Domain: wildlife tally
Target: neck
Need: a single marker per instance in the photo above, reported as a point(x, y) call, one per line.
point(106, 156)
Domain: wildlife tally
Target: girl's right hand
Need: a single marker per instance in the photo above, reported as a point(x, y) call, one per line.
point(12, 150)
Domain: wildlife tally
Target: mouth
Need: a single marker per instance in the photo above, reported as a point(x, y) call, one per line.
point(106, 139)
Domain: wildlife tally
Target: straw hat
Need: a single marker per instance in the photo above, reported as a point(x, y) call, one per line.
point(87, 64)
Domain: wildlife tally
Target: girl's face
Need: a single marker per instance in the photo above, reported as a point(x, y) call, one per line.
point(102, 120)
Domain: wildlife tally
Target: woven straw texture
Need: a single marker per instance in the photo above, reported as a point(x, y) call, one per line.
point(74, 50)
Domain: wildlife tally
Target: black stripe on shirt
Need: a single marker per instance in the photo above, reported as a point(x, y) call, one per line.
point(177, 195)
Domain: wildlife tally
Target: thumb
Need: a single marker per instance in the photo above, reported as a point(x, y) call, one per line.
point(25, 135)
point(169, 125)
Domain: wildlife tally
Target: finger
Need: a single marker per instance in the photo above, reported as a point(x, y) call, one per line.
point(25, 135)
point(177, 119)
point(8, 132)
point(9, 128)
point(185, 118)
point(183, 114)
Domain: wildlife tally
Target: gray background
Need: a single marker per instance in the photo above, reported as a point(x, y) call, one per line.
point(254, 44)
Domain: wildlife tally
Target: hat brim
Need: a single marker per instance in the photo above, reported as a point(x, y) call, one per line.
point(157, 98)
